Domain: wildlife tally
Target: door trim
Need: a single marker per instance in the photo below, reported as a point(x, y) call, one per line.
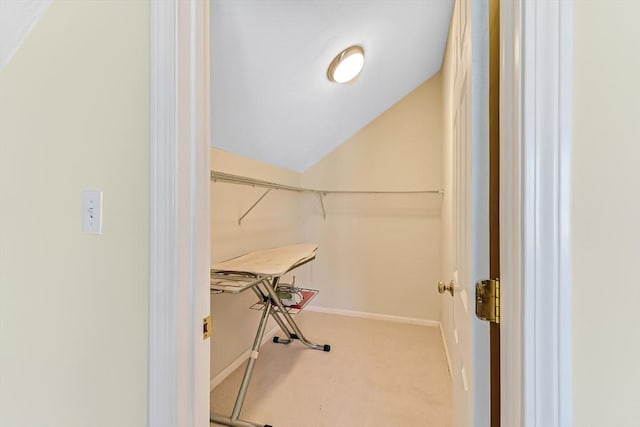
point(179, 214)
point(536, 138)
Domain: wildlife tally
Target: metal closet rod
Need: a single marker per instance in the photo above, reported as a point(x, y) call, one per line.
point(238, 179)
point(253, 182)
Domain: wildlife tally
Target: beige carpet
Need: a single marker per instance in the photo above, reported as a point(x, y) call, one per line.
point(377, 374)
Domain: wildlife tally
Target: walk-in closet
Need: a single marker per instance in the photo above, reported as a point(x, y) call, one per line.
point(350, 172)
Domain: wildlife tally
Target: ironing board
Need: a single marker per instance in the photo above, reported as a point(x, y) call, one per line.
point(261, 271)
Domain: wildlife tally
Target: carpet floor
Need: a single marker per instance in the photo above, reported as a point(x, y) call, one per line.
point(377, 373)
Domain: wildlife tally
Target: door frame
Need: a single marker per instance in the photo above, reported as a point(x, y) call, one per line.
point(179, 241)
point(535, 158)
point(535, 213)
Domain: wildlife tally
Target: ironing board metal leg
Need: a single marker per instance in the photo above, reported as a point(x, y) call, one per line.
point(289, 319)
point(283, 326)
point(252, 361)
point(274, 315)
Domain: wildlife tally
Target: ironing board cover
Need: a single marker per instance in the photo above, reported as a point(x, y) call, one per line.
point(268, 262)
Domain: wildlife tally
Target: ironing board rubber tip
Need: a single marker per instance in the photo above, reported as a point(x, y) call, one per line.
point(326, 347)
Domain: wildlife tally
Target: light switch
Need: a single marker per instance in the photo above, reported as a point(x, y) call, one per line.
point(92, 212)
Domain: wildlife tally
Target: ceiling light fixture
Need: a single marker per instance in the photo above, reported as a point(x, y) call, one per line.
point(347, 65)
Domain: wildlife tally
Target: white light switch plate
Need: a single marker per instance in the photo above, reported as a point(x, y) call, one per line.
point(92, 212)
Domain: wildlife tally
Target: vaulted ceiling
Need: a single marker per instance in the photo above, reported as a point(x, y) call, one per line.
point(272, 100)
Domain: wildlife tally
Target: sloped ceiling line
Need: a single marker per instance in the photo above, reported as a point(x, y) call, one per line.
point(17, 19)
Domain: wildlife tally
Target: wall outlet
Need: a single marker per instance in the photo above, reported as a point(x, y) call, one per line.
point(92, 212)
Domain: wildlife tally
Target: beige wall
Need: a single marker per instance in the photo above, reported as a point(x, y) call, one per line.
point(381, 253)
point(606, 213)
point(74, 115)
point(274, 222)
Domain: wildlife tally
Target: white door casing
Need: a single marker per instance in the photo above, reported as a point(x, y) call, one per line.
point(535, 212)
point(179, 214)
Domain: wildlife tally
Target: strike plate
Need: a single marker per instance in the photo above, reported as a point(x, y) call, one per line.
point(206, 327)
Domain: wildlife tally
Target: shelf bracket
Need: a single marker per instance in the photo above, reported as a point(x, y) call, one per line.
point(324, 214)
point(253, 206)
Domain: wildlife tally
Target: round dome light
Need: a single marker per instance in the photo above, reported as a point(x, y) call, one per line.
point(347, 65)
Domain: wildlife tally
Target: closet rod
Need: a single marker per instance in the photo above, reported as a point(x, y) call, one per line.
point(238, 179)
point(243, 180)
point(253, 182)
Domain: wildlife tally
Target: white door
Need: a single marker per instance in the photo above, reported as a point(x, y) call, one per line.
point(466, 211)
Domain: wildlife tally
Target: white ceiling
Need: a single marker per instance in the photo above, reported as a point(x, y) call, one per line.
point(272, 100)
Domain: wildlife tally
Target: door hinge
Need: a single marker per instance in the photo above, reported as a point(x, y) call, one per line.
point(488, 300)
point(206, 327)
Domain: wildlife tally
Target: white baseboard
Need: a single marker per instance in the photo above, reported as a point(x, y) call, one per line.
point(222, 375)
point(446, 352)
point(375, 316)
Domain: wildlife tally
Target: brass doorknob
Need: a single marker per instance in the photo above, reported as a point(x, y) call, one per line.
point(443, 287)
